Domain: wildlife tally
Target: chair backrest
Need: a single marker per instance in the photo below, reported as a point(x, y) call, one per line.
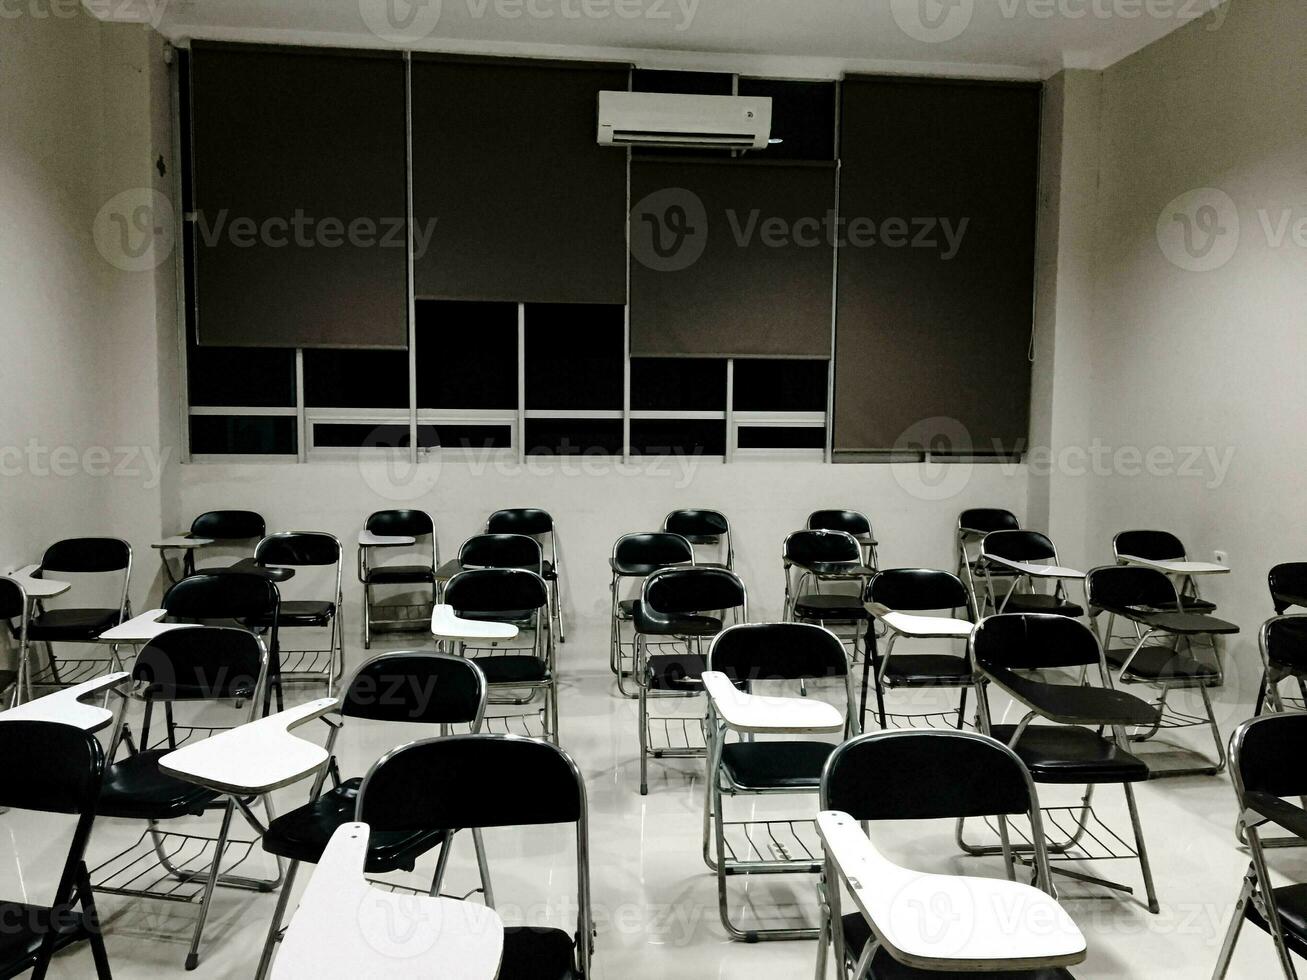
point(695, 524)
point(13, 600)
point(816, 548)
point(688, 590)
point(777, 651)
point(228, 595)
point(416, 686)
point(1027, 546)
point(1125, 586)
point(982, 520)
point(500, 551)
point(1283, 641)
point(1265, 754)
point(493, 590)
point(530, 521)
point(926, 775)
point(655, 548)
point(87, 555)
point(414, 523)
point(50, 767)
point(1153, 545)
point(298, 548)
point(1287, 578)
point(201, 663)
point(1033, 641)
point(917, 589)
point(839, 520)
point(229, 525)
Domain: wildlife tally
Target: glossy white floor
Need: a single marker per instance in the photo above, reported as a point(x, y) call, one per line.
point(655, 902)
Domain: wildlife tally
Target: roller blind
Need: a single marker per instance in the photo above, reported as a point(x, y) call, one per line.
point(519, 201)
point(299, 164)
point(938, 185)
point(731, 259)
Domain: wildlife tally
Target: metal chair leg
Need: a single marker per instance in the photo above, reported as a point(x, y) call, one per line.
point(1236, 924)
point(274, 928)
point(193, 957)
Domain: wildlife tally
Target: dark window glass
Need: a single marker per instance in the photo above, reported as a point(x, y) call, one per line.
point(678, 383)
point(459, 436)
point(802, 117)
point(573, 437)
point(573, 356)
point(251, 434)
point(781, 437)
point(356, 378)
point(682, 82)
point(355, 435)
point(780, 386)
point(678, 437)
point(466, 354)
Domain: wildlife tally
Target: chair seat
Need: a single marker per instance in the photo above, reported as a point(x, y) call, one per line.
point(830, 606)
point(303, 833)
point(537, 954)
point(1162, 664)
point(512, 669)
point(72, 625)
point(1038, 602)
point(136, 788)
point(1184, 623)
point(25, 928)
point(401, 575)
point(1071, 754)
point(885, 967)
point(919, 669)
point(680, 624)
point(1291, 903)
point(676, 672)
point(776, 765)
point(1189, 604)
point(496, 615)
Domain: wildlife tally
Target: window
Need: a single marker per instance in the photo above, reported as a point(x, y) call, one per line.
point(672, 383)
point(466, 355)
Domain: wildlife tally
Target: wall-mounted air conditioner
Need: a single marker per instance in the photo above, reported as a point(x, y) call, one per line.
point(735, 122)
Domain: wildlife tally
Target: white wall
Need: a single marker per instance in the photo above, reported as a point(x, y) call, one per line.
point(593, 502)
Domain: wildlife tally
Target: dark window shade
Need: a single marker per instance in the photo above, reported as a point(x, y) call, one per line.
point(573, 356)
point(674, 82)
point(527, 206)
point(752, 274)
point(299, 163)
point(356, 379)
point(929, 347)
point(780, 386)
point(466, 354)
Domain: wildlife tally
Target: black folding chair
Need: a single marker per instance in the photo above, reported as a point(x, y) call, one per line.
point(851, 522)
point(1146, 597)
point(933, 775)
point(410, 687)
point(634, 557)
point(520, 597)
point(191, 665)
point(502, 551)
point(1288, 584)
point(109, 559)
point(673, 610)
point(14, 605)
point(1285, 654)
point(773, 752)
point(1265, 754)
point(973, 524)
point(538, 524)
point(416, 524)
point(1072, 748)
point(52, 768)
point(704, 528)
point(897, 597)
point(1161, 546)
point(230, 527)
point(476, 781)
point(1003, 583)
point(820, 568)
point(308, 549)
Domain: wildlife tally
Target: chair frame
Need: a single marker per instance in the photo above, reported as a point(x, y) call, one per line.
point(741, 615)
point(966, 537)
point(364, 568)
point(725, 539)
point(718, 784)
point(858, 573)
point(990, 570)
point(22, 677)
point(870, 555)
point(335, 651)
point(617, 616)
point(556, 583)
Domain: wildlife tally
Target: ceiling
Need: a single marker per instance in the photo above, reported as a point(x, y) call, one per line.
point(797, 38)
